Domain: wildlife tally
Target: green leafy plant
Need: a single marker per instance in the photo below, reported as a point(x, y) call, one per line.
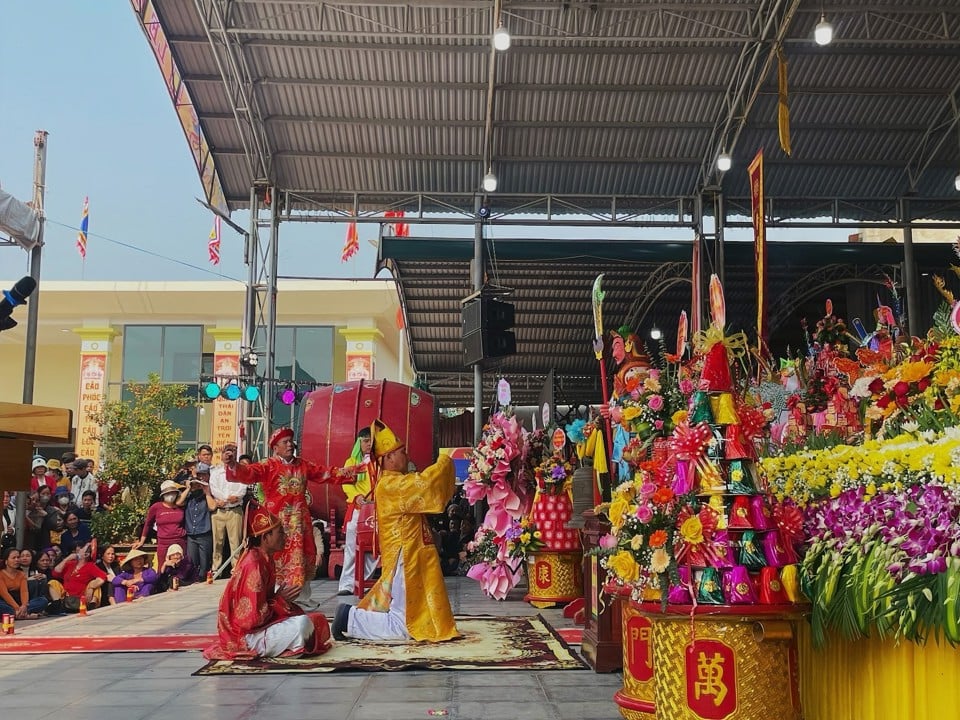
point(138, 442)
point(121, 525)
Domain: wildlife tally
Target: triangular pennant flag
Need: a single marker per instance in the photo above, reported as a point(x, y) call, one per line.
point(213, 244)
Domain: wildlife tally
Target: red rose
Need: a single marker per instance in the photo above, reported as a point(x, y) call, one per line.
point(883, 402)
point(938, 405)
point(901, 388)
point(876, 387)
point(923, 384)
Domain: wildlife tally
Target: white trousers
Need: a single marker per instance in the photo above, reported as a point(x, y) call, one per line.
point(347, 579)
point(287, 635)
point(390, 625)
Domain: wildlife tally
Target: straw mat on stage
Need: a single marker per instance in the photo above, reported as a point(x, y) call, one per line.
point(486, 643)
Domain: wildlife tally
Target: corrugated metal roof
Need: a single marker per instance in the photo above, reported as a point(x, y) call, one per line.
point(381, 98)
point(645, 285)
point(386, 104)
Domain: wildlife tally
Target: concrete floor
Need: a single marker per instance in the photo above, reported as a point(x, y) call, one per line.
point(132, 686)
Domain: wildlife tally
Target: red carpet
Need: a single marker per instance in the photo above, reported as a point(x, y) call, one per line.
point(103, 643)
point(571, 636)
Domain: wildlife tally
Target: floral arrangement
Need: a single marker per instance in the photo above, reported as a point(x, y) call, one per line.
point(495, 473)
point(523, 538)
point(888, 560)
point(646, 529)
point(552, 474)
point(876, 466)
point(490, 565)
point(647, 407)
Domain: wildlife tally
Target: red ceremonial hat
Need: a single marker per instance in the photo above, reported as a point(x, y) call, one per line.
point(261, 521)
point(279, 434)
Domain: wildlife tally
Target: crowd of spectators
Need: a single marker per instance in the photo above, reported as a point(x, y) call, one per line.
point(62, 566)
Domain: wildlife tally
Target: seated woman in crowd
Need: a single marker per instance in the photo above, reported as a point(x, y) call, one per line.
point(76, 534)
point(135, 574)
point(177, 565)
point(53, 589)
point(80, 577)
point(111, 568)
point(14, 596)
point(36, 581)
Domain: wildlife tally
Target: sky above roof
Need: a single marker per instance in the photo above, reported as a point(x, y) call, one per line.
point(84, 73)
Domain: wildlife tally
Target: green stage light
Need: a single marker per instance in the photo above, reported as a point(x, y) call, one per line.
point(232, 391)
point(251, 393)
point(211, 390)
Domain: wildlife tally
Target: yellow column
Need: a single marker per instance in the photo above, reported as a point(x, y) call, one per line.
point(361, 352)
point(225, 420)
point(95, 344)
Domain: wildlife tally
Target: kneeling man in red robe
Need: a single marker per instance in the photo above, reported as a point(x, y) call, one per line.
point(256, 618)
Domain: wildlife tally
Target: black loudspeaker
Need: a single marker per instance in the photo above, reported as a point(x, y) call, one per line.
point(486, 332)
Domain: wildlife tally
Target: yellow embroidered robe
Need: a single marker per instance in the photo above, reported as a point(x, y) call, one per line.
point(403, 501)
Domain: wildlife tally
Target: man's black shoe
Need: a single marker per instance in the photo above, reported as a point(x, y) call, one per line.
point(345, 592)
point(340, 620)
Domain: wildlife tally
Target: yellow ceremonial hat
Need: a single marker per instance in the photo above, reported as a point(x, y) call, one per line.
point(384, 441)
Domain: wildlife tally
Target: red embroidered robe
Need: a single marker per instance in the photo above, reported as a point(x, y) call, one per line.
point(250, 603)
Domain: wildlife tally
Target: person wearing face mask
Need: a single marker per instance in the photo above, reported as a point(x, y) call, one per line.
point(168, 518)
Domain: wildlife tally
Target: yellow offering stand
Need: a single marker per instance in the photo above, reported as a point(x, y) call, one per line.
point(874, 679)
point(712, 662)
point(554, 578)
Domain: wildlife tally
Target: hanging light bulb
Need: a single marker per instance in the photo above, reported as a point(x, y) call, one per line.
point(823, 32)
point(956, 182)
point(655, 333)
point(489, 182)
point(724, 162)
point(501, 38)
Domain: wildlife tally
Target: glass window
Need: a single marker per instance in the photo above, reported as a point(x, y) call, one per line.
point(141, 351)
point(304, 354)
point(182, 349)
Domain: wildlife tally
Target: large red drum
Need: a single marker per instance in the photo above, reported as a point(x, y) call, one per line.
point(333, 415)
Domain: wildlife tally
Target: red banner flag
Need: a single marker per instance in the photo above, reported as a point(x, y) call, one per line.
point(84, 225)
point(352, 244)
point(213, 243)
point(755, 171)
point(399, 229)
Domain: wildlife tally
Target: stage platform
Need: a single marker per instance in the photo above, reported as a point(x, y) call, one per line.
point(140, 685)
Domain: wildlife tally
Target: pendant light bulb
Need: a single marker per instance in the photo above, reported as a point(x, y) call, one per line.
point(823, 32)
point(724, 162)
point(501, 38)
point(956, 182)
point(489, 182)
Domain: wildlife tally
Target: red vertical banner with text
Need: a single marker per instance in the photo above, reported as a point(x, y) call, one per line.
point(755, 171)
point(93, 394)
point(224, 426)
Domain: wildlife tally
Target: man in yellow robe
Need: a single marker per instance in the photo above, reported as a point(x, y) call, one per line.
point(410, 600)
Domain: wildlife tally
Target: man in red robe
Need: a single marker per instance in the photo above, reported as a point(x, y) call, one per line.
point(257, 618)
point(283, 479)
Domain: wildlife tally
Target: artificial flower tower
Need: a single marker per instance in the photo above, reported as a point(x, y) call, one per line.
point(554, 571)
point(699, 530)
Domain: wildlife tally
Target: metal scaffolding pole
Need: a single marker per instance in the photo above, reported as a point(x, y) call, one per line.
point(260, 310)
point(33, 306)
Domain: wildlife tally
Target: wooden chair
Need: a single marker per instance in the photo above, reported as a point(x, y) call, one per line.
point(366, 543)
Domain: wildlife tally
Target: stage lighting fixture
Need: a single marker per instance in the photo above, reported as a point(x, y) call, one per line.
point(232, 391)
point(251, 393)
point(288, 396)
point(212, 390)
